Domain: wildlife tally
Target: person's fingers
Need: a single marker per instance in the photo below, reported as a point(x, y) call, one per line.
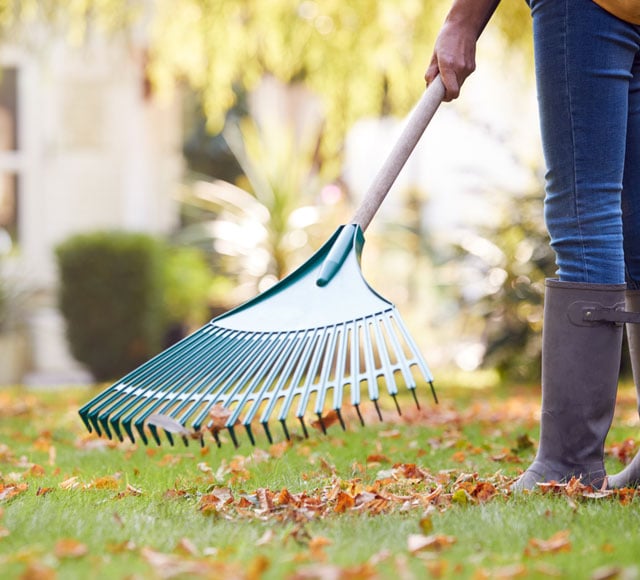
point(451, 84)
point(432, 70)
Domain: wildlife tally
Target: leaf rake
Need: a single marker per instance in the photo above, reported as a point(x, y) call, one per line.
point(319, 334)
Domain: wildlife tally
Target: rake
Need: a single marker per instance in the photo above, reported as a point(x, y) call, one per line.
point(319, 334)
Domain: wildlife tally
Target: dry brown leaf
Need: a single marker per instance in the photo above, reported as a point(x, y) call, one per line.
point(344, 502)
point(11, 490)
point(418, 542)
point(378, 458)
point(331, 418)
point(107, 482)
point(607, 573)
point(317, 544)
point(43, 491)
point(559, 542)
point(70, 548)
point(70, 483)
point(219, 416)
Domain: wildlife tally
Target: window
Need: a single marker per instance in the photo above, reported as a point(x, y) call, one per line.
point(9, 153)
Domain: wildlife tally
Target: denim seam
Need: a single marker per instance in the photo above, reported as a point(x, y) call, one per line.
point(573, 139)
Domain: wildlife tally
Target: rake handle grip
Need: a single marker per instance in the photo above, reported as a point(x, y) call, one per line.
point(418, 120)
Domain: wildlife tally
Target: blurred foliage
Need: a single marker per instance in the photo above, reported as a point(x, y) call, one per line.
point(363, 58)
point(122, 293)
point(111, 297)
point(503, 271)
point(187, 287)
point(256, 231)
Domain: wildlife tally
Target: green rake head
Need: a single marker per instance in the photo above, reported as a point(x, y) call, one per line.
point(318, 338)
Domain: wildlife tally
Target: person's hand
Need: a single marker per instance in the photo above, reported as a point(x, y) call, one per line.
point(454, 58)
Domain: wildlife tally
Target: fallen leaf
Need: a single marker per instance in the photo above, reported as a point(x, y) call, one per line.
point(343, 502)
point(418, 542)
point(70, 548)
point(559, 542)
point(38, 571)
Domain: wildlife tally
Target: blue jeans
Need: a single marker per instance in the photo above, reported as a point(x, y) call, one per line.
point(588, 79)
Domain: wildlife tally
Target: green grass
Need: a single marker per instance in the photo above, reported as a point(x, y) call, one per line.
point(136, 511)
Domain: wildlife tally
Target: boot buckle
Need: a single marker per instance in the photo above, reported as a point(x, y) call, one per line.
point(583, 313)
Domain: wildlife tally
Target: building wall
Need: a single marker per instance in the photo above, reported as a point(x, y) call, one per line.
point(96, 151)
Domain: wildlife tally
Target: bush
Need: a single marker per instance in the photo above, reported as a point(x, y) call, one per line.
point(111, 297)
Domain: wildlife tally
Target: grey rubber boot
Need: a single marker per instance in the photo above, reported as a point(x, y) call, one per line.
point(580, 367)
point(630, 475)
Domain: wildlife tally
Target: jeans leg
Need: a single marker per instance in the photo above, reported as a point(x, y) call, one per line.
point(584, 58)
point(631, 183)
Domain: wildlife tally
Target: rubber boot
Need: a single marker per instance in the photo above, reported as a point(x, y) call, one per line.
point(630, 475)
point(580, 367)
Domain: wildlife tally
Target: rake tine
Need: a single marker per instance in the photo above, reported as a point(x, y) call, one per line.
point(306, 353)
point(338, 389)
point(197, 380)
point(422, 365)
point(154, 433)
point(322, 425)
point(250, 357)
point(250, 434)
point(265, 426)
point(194, 375)
point(415, 397)
point(313, 368)
point(232, 434)
point(299, 342)
point(156, 372)
point(342, 424)
point(375, 402)
point(275, 360)
point(357, 407)
point(390, 381)
point(304, 427)
point(433, 392)
point(395, 400)
point(355, 366)
point(216, 438)
point(284, 428)
point(323, 383)
point(372, 381)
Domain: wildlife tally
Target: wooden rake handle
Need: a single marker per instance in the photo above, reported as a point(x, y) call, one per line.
point(418, 120)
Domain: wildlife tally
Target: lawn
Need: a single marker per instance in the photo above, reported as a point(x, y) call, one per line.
point(417, 496)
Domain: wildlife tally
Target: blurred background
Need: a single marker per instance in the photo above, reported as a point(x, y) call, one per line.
point(163, 161)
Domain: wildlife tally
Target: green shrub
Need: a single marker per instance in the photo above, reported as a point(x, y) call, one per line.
point(111, 296)
point(187, 286)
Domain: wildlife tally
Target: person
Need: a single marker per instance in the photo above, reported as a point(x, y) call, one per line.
point(587, 67)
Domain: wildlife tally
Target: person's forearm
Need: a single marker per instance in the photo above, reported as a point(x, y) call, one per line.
point(472, 14)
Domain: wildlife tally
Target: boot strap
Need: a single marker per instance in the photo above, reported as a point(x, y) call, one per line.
point(588, 313)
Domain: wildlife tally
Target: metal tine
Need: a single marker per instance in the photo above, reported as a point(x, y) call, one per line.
point(372, 378)
point(197, 376)
point(311, 374)
point(339, 377)
point(297, 377)
point(240, 376)
point(355, 368)
point(419, 360)
point(301, 338)
point(232, 350)
point(142, 403)
point(400, 357)
point(269, 366)
point(327, 362)
point(124, 399)
point(276, 370)
point(98, 402)
point(285, 430)
point(249, 346)
point(390, 380)
point(267, 432)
